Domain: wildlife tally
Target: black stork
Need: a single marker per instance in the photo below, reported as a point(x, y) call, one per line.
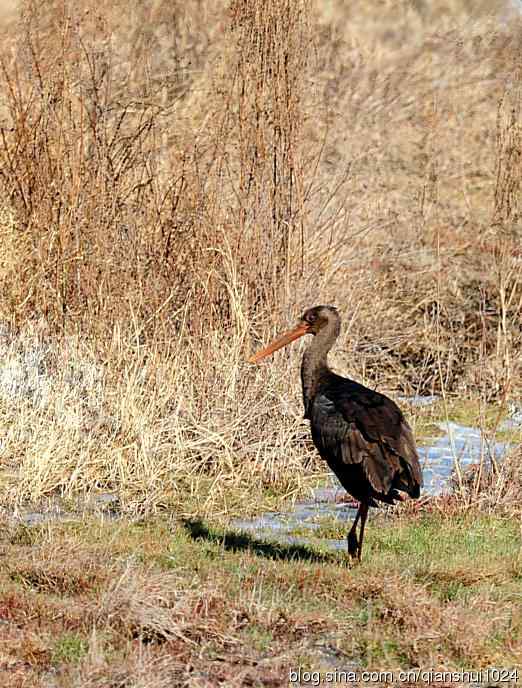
point(362, 435)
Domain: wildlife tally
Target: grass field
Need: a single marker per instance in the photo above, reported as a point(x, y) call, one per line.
point(179, 181)
point(164, 602)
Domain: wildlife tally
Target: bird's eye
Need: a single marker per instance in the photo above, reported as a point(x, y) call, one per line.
point(311, 317)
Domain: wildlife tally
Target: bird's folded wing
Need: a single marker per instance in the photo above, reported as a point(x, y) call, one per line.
point(370, 430)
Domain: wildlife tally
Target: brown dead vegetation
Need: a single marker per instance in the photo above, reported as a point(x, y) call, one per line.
point(179, 181)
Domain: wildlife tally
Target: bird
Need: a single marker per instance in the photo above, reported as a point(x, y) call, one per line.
point(362, 434)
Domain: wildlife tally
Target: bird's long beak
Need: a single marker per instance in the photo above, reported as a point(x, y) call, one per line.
point(280, 342)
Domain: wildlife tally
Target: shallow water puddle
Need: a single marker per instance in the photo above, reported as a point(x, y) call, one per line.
point(460, 444)
point(304, 516)
point(104, 504)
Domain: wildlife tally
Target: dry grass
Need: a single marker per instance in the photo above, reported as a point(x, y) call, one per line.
point(178, 182)
point(160, 603)
point(147, 427)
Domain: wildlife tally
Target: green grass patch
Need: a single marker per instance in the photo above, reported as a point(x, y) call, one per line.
point(70, 648)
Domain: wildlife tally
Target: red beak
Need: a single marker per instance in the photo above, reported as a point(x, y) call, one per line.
point(280, 342)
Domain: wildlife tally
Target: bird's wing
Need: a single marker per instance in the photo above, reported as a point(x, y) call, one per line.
point(367, 428)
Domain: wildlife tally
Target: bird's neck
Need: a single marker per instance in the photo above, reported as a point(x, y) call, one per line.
point(315, 364)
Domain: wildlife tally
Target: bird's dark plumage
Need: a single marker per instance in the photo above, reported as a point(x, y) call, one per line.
point(365, 440)
point(362, 435)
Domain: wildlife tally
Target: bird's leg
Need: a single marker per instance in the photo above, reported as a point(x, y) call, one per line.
point(353, 544)
point(364, 514)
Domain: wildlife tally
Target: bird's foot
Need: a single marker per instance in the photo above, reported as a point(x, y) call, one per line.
point(353, 544)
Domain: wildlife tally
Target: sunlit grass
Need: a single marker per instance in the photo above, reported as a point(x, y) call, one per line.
point(422, 578)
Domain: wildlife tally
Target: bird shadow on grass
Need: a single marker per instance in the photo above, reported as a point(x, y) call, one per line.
point(240, 541)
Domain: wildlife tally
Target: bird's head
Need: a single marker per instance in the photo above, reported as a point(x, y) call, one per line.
point(312, 321)
point(319, 317)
